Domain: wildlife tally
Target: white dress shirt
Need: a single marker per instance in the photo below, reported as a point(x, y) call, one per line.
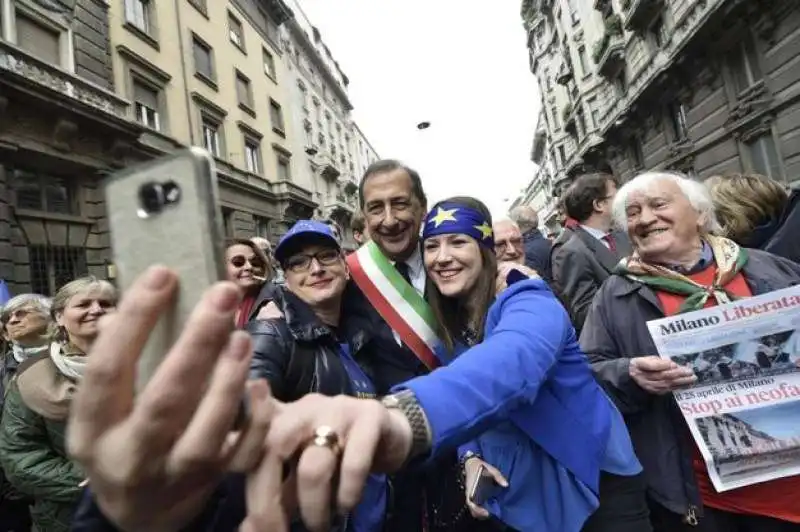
point(598, 234)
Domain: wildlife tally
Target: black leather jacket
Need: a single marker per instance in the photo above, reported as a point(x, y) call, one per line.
point(298, 354)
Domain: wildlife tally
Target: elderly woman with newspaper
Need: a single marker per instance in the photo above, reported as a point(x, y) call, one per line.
point(678, 265)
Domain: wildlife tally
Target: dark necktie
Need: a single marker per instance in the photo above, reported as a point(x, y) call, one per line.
point(612, 244)
point(402, 269)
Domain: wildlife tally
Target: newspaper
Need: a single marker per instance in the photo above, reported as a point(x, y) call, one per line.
point(744, 409)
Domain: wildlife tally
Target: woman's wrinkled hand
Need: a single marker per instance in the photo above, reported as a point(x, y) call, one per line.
point(471, 469)
point(371, 438)
point(154, 462)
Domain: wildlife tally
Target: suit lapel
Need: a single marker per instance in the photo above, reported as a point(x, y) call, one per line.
point(624, 248)
point(601, 253)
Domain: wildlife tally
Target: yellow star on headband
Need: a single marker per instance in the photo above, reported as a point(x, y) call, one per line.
point(443, 215)
point(485, 230)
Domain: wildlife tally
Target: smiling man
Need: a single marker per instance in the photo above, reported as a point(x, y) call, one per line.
point(678, 265)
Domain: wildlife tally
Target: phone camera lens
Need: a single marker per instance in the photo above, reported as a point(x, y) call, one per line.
point(151, 198)
point(172, 193)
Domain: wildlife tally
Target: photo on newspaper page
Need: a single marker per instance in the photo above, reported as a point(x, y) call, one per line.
point(744, 409)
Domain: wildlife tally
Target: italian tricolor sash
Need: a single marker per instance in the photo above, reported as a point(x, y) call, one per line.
point(398, 303)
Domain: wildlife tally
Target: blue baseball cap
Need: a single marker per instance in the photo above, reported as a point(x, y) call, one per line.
point(304, 230)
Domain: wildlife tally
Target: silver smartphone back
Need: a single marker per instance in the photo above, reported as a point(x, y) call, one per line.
point(167, 212)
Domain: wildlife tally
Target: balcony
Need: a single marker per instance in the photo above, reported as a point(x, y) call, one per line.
point(326, 166)
point(338, 206)
point(639, 13)
point(286, 190)
point(569, 119)
point(609, 51)
point(52, 83)
point(564, 73)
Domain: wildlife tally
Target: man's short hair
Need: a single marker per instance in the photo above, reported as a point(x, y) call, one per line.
point(580, 196)
point(357, 222)
point(390, 165)
point(525, 217)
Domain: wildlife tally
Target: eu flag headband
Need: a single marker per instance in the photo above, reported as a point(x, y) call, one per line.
point(449, 218)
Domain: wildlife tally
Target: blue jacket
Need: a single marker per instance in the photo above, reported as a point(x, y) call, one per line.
point(526, 398)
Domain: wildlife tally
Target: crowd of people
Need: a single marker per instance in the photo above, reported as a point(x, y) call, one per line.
point(383, 385)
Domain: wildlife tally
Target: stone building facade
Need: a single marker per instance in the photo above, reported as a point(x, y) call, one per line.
point(700, 86)
point(91, 86)
point(62, 128)
point(334, 148)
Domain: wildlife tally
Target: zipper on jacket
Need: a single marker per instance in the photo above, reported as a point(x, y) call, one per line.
point(691, 516)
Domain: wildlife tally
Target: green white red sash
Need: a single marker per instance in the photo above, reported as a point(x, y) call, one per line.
point(398, 303)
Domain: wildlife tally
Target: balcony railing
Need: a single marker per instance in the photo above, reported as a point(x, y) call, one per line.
point(638, 13)
point(609, 51)
point(17, 63)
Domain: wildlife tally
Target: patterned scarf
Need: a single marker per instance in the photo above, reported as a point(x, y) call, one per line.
point(728, 256)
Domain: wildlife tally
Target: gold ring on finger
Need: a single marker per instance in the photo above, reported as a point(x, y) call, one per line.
point(325, 436)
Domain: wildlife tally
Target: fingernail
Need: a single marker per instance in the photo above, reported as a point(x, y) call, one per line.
point(225, 297)
point(156, 277)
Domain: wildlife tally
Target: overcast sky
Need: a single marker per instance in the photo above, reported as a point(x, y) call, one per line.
point(461, 65)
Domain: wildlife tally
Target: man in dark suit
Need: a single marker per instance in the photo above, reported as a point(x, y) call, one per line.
point(537, 247)
point(593, 250)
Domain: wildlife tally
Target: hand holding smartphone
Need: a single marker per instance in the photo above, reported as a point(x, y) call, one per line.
point(484, 487)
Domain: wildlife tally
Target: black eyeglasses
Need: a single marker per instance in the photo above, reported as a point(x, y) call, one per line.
point(240, 260)
point(302, 262)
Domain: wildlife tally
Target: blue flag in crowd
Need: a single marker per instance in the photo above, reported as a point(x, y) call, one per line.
point(5, 295)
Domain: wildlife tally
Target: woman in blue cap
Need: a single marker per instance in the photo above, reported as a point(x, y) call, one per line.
point(516, 396)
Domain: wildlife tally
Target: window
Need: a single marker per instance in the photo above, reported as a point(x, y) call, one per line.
point(764, 158)
point(562, 155)
point(594, 112)
point(200, 5)
point(203, 59)
point(236, 32)
point(252, 155)
point(637, 155)
point(581, 121)
point(244, 92)
point(677, 117)
point(276, 116)
point(54, 266)
point(211, 136)
point(37, 192)
point(262, 227)
point(743, 64)
point(38, 39)
point(145, 101)
point(584, 62)
point(657, 32)
point(556, 124)
point(284, 170)
point(269, 64)
point(138, 14)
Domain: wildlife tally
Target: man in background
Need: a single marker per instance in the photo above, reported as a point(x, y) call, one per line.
point(359, 226)
point(592, 252)
point(536, 246)
point(508, 243)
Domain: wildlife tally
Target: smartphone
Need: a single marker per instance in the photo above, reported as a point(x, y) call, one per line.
point(166, 211)
point(484, 487)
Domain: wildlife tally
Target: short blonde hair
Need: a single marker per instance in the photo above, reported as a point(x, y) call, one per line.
point(745, 201)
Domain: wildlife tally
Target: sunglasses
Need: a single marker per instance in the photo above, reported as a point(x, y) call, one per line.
point(240, 260)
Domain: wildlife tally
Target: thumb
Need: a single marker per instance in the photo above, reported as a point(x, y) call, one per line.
point(497, 475)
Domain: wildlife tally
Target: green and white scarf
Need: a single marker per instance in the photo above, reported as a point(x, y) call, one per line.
point(728, 256)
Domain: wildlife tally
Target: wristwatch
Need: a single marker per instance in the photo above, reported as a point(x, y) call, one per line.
point(406, 402)
point(467, 456)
